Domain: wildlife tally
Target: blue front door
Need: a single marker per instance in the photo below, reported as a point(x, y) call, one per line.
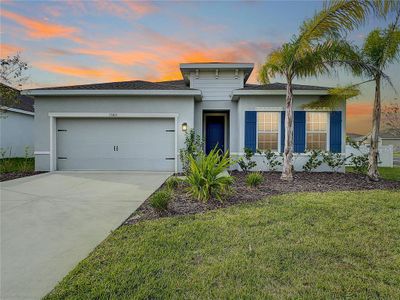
point(215, 133)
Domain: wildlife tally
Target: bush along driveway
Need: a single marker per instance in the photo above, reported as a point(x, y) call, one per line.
point(299, 245)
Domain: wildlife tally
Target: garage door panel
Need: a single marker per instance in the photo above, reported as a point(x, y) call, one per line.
point(115, 144)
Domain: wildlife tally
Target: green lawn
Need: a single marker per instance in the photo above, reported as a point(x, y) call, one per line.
point(385, 172)
point(17, 164)
point(311, 245)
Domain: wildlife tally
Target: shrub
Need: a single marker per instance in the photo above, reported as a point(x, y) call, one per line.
point(172, 182)
point(246, 163)
point(360, 163)
point(25, 166)
point(270, 159)
point(313, 161)
point(193, 147)
point(205, 175)
point(254, 179)
point(160, 200)
point(334, 160)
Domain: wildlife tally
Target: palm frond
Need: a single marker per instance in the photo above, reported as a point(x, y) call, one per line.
point(335, 97)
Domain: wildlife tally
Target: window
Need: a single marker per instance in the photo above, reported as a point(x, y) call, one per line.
point(267, 130)
point(317, 123)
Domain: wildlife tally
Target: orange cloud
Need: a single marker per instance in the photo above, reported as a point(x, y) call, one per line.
point(84, 72)
point(121, 58)
point(141, 8)
point(8, 50)
point(40, 29)
point(125, 8)
point(359, 117)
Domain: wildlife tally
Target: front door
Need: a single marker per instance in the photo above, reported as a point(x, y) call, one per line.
point(215, 133)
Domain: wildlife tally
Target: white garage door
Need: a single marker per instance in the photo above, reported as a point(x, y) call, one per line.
point(116, 144)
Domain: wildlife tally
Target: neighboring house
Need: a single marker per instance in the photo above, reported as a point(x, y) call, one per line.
point(16, 127)
point(390, 138)
point(140, 125)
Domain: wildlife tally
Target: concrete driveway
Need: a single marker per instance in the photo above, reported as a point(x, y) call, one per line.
point(50, 222)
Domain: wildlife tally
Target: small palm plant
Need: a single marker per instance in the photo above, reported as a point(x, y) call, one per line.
point(206, 176)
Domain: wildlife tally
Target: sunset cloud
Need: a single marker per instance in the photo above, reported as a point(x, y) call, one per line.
point(8, 50)
point(359, 117)
point(120, 57)
point(36, 29)
point(94, 74)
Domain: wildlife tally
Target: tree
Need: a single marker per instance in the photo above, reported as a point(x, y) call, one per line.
point(11, 77)
point(314, 50)
point(391, 118)
point(380, 49)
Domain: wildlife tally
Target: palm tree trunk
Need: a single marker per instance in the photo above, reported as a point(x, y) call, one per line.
point(287, 169)
point(373, 173)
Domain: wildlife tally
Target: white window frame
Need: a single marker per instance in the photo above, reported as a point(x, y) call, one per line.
point(328, 122)
point(279, 128)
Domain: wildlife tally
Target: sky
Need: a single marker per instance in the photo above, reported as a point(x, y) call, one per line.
point(76, 42)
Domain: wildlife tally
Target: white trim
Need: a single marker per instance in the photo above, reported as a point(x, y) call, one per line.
point(16, 110)
point(270, 109)
point(176, 143)
point(53, 164)
point(54, 115)
point(116, 115)
point(112, 92)
point(41, 153)
point(279, 129)
point(328, 122)
point(222, 66)
point(235, 95)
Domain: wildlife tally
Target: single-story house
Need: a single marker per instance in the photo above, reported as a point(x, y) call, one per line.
point(16, 125)
point(140, 125)
point(390, 138)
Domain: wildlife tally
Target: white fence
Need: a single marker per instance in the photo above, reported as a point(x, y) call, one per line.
point(385, 153)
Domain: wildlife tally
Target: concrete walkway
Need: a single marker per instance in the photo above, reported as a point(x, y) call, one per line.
point(50, 222)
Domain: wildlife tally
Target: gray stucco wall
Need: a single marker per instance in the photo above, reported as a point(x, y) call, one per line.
point(16, 133)
point(182, 105)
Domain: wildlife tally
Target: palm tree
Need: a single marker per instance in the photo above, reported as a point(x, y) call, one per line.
point(381, 48)
point(314, 50)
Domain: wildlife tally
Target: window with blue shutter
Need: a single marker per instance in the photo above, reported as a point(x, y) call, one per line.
point(335, 132)
point(250, 130)
point(299, 131)
point(282, 131)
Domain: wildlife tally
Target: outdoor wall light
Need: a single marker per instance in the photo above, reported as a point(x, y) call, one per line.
point(184, 127)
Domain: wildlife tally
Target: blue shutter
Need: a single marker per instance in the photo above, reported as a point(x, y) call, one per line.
point(299, 131)
point(335, 131)
point(250, 130)
point(282, 131)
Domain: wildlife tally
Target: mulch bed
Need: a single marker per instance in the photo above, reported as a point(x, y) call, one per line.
point(183, 204)
point(16, 175)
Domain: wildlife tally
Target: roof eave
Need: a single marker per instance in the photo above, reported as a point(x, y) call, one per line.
point(186, 68)
point(195, 93)
point(238, 93)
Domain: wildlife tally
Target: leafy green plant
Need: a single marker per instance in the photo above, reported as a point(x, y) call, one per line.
point(25, 165)
point(160, 200)
point(6, 162)
point(205, 175)
point(360, 163)
point(313, 161)
point(271, 160)
point(254, 179)
point(334, 160)
point(172, 183)
point(194, 145)
point(246, 163)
